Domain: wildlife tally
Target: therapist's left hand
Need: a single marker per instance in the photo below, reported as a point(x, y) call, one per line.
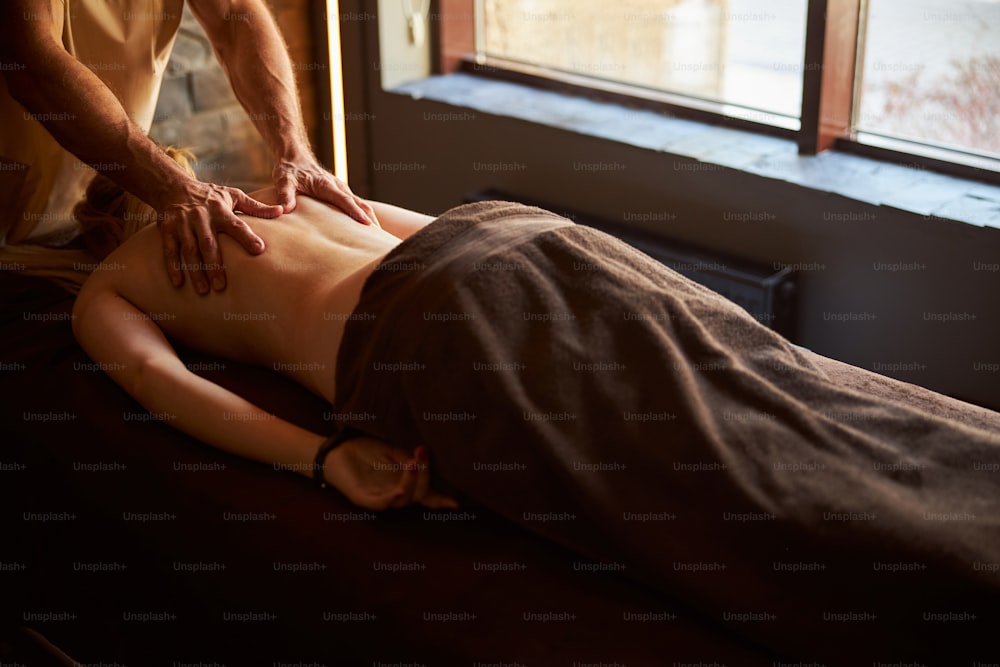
point(310, 178)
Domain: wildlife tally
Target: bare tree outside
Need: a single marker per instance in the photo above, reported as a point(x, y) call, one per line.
point(931, 72)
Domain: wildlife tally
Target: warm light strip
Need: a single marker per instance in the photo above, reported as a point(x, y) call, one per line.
point(336, 90)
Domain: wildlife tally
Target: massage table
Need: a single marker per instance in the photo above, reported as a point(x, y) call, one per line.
point(127, 541)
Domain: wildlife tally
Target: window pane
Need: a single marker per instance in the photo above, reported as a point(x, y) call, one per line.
point(931, 73)
point(739, 52)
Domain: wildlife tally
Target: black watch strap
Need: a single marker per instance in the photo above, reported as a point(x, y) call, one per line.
point(324, 450)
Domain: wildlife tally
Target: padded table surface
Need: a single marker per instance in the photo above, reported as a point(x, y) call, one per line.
point(128, 541)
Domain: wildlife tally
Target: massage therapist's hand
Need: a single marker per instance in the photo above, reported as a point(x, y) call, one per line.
point(310, 178)
point(189, 225)
point(375, 475)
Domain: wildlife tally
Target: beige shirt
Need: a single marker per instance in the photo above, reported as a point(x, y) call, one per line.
point(124, 42)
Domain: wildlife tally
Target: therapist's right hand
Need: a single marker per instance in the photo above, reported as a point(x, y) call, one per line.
point(189, 227)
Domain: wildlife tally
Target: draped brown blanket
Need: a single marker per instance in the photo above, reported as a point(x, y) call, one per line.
point(595, 397)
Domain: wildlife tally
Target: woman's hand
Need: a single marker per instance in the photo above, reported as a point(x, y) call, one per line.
point(375, 475)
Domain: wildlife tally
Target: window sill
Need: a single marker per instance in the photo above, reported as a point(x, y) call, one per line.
point(918, 191)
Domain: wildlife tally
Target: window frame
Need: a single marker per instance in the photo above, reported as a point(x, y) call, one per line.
point(829, 74)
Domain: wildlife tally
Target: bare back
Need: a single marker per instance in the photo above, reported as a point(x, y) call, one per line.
point(284, 309)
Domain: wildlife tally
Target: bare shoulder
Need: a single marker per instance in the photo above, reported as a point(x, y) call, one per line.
point(134, 267)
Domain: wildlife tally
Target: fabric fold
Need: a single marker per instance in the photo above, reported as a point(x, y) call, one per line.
point(599, 399)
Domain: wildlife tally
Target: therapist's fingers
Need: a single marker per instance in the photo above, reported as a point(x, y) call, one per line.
point(237, 229)
point(334, 191)
point(191, 260)
point(171, 255)
point(244, 203)
point(181, 229)
point(369, 211)
point(211, 254)
point(286, 185)
point(311, 179)
point(190, 234)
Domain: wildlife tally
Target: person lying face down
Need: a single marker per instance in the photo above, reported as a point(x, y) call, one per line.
point(589, 394)
point(318, 259)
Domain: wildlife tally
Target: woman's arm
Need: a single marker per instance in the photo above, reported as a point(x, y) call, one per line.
point(132, 348)
point(136, 354)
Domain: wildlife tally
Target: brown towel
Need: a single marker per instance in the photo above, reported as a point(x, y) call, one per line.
point(583, 390)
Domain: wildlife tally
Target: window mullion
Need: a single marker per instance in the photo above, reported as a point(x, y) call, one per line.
point(828, 72)
point(454, 28)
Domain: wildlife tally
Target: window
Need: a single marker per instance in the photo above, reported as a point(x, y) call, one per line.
point(740, 53)
point(917, 81)
point(931, 74)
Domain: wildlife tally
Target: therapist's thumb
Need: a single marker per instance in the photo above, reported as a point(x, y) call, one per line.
point(286, 195)
point(244, 203)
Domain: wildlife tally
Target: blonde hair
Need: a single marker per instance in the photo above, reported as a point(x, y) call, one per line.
point(107, 215)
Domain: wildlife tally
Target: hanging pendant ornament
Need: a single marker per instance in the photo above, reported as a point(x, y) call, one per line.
point(417, 30)
point(416, 21)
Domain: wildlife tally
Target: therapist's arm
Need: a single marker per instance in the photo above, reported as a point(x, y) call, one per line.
point(86, 118)
point(255, 58)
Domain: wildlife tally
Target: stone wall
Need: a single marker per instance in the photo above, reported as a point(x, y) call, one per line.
point(198, 110)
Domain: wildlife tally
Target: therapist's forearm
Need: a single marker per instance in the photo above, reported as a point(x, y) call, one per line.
point(256, 60)
point(86, 118)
